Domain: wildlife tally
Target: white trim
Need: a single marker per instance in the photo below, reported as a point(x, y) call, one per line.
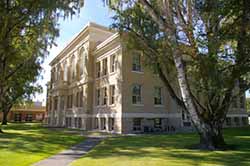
point(159, 105)
point(87, 27)
point(138, 72)
point(106, 54)
point(237, 115)
point(107, 41)
point(138, 105)
point(127, 115)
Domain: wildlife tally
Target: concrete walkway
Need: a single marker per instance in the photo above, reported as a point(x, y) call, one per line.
point(66, 157)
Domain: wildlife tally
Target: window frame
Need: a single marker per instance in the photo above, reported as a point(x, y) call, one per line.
point(98, 96)
point(98, 69)
point(137, 97)
point(137, 127)
point(158, 98)
point(112, 94)
point(112, 63)
point(104, 95)
point(105, 67)
point(136, 63)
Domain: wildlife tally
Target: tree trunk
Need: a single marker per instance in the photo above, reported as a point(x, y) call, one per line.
point(1, 131)
point(6, 111)
point(5, 115)
point(211, 138)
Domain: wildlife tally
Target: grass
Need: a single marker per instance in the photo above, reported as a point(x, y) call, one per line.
point(25, 144)
point(168, 150)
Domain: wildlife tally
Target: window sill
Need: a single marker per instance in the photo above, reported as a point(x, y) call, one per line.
point(104, 76)
point(138, 105)
point(101, 106)
point(139, 72)
point(159, 105)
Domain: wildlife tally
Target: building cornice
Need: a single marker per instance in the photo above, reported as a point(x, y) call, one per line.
point(105, 43)
point(84, 31)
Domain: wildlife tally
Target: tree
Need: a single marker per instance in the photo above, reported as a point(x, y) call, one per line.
point(28, 29)
point(202, 45)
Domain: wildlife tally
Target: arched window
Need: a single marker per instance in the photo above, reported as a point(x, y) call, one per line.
point(82, 61)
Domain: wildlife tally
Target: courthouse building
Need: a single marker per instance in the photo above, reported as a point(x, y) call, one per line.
point(97, 84)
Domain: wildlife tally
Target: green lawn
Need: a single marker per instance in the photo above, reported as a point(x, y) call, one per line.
point(168, 150)
point(24, 144)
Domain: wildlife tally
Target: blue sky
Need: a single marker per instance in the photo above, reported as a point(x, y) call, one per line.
point(94, 11)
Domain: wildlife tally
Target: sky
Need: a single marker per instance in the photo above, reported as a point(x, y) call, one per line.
point(94, 11)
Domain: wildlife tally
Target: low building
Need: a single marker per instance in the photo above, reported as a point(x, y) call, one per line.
point(34, 112)
point(97, 84)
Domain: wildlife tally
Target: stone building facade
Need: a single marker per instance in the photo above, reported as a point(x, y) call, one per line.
point(97, 84)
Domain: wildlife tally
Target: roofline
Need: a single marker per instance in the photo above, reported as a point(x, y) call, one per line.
point(106, 42)
point(77, 36)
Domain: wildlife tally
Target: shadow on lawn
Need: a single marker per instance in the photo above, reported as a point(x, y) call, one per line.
point(33, 138)
point(174, 147)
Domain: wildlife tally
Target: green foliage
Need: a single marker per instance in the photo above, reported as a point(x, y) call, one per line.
point(28, 28)
point(212, 37)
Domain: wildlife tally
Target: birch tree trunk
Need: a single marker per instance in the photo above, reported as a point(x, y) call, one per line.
point(211, 136)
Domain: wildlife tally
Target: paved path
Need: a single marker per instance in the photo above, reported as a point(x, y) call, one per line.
point(66, 157)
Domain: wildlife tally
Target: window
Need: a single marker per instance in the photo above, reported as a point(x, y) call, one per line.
point(157, 123)
point(103, 124)
point(55, 103)
point(76, 122)
point(68, 121)
point(98, 70)
point(158, 96)
point(237, 121)
point(136, 94)
point(73, 68)
point(105, 67)
point(82, 60)
point(105, 96)
point(235, 103)
point(96, 123)
point(228, 121)
point(136, 124)
point(28, 118)
point(77, 99)
point(65, 72)
point(112, 94)
point(98, 97)
point(18, 117)
point(242, 103)
point(112, 63)
point(155, 68)
point(136, 62)
point(62, 103)
point(81, 98)
point(111, 124)
point(79, 123)
point(69, 101)
point(244, 121)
